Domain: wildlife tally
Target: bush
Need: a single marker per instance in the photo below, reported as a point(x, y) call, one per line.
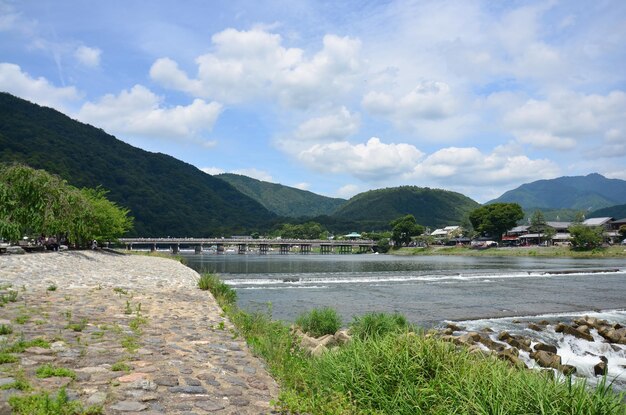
point(221, 291)
point(319, 322)
point(372, 325)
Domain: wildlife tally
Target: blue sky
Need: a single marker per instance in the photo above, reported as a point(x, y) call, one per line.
point(338, 97)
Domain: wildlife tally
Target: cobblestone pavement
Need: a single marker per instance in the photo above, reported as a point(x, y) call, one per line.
point(138, 334)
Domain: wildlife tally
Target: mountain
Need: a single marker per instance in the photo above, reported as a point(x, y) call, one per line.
point(590, 192)
point(283, 200)
point(373, 210)
point(617, 212)
point(165, 195)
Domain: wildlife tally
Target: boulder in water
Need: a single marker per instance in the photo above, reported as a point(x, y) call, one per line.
point(545, 347)
point(567, 369)
point(547, 359)
point(600, 368)
point(566, 329)
point(535, 327)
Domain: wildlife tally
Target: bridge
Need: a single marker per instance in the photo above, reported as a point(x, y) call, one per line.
point(303, 246)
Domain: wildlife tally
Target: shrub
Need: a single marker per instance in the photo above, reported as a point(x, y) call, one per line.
point(319, 322)
point(372, 325)
point(5, 329)
point(42, 403)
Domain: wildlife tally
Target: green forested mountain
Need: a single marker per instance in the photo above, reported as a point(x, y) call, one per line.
point(166, 196)
point(617, 212)
point(373, 210)
point(583, 193)
point(283, 200)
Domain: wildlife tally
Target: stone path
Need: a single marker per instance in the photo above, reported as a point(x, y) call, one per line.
point(138, 334)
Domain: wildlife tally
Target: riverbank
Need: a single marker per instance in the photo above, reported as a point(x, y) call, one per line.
point(534, 251)
point(120, 334)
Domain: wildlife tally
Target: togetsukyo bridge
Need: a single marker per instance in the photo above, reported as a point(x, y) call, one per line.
point(263, 246)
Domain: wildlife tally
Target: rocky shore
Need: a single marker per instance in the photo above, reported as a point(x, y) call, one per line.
point(135, 334)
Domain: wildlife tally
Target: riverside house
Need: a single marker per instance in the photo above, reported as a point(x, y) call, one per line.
point(559, 233)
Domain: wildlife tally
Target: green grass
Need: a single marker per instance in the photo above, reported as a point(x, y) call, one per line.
point(52, 287)
point(21, 345)
point(9, 297)
point(319, 322)
point(48, 371)
point(44, 404)
point(121, 367)
point(79, 326)
point(130, 343)
point(387, 369)
point(5, 329)
point(374, 325)
point(221, 291)
point(7, 358)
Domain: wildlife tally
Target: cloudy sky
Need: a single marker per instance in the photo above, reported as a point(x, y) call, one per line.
point(338, 97)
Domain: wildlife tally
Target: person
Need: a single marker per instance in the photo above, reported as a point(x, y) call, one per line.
point(94, 244)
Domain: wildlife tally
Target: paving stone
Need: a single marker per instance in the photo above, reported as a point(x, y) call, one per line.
point(187, 389)
point(129, 406)
point(167, 381)
point(210, 405)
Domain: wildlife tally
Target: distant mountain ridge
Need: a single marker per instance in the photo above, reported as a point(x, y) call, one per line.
point(584, 193)
point(165, 195)
point(618, 212)
point(283, 200)
point(374, 209)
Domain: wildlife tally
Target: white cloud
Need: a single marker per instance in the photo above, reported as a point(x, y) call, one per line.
point(39, 90)
point(253, 64)
point(567, 118)
point(337, 126)
point(140, 112)
point(429, 100)
point(347, 191)
point(373, 160)
point(213, 170)
point(87, 56)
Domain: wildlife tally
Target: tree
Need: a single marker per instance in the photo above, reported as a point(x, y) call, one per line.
point(309, 230)
point(539, 226)
point(496, 218)
point(403, 229)
point(622, 231)
point(586, 237)
point(34, 202)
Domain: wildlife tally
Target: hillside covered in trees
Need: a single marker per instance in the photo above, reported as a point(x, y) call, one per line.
point(375, 209)
point(283, 200)
point(165, 196)
point(582, 193)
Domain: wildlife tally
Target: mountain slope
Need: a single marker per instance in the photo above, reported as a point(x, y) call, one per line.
point(617, 212)
point(590, 192)
point(431, 207)
point(283, 200)
point(166, 196)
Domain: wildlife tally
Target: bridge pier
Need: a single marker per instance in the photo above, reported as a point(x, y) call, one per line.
point(263, 248)
point(153, 248)
point(345, 249)
point(129, 247)
point(364, 248)
point(284, 249)
point(198, 249)
point(175, 248)
point(220, 248)
point(326, 249)
point(242, 248)
point(305, 249)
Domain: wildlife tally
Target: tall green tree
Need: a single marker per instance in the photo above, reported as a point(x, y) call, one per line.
point(34, 202)
point(496, 218)
point(586, 237)
point(403, 229)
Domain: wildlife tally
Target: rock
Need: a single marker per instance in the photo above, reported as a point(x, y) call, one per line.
point(613, 335)
point(327, 340)
point(97, 398)
point(543, 322)
point(307, 342)
point(519, 343)
point(132, 377)
point(535, 327)
point(583, 329)
point(454, 327)
point(565, 329)
point(447, 332)
point(567, 369)
point(15, 250)
point(468, 338)
point(600, 368)
point(210, 405)
point(187, 389)
point(545, 347)
point(546, 359)
point(487, 330)
point(129, 406)
point(510, 355)
point(319, 350)
point(504, 335)
point(342, 337)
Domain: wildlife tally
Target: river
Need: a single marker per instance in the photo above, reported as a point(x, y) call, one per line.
point(502, 293)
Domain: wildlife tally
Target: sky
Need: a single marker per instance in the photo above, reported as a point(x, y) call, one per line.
point(336, 97)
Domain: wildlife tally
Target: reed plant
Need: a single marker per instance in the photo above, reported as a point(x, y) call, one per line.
point(388, 368)
point(221, 291)
point(319, 322)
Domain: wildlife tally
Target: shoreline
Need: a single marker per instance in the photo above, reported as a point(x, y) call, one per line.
point(533, 251)
point(133, 333)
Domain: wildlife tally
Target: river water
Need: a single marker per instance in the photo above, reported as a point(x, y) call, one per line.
point(502, 293)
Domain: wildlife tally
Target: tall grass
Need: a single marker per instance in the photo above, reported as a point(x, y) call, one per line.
point(388, 369)
point(319, 322)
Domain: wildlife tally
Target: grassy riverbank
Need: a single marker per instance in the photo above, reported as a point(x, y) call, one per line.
point(399, 371)
point(536, 251)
